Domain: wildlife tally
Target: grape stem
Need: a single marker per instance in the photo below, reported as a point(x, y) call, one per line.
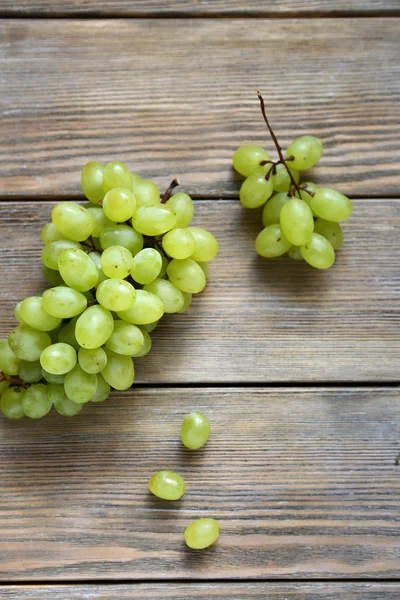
point(282, 160)
point(4, 377)
point(174, 183)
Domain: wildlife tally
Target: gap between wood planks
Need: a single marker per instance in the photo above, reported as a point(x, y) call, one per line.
point(208, 198)
point(339, 14)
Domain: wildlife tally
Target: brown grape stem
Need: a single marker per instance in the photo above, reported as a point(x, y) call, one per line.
point(174, 183)
point(4, 377)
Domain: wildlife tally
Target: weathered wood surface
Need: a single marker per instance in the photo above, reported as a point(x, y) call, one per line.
point(303, 481)
point(258, 320)
point(102, 89)
point(197, 8)
point(222, 591)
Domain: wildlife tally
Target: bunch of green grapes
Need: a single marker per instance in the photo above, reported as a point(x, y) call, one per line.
point(116, 264)
point(300, 219)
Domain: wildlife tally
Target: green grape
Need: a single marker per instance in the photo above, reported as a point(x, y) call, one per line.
point(67, 334)
point(119, 204)
point(154, 220)
point(9, 363)
point(116, 262)
point(147, 308)
point(67, 408)
point(147, 194)
point(77, 269)
point(182, 206)
point(167, 485)
point(34, 314)
point(50, 233)
point(102, 390)
point(179, 243)
point(135, 180)
point(146, 344)
point(95, 257)
point(92, 181)
point(4, 385)
point(80, 386)
point(272, 210)
point(30, 372)
point(164, 265)
point(202, 533)
point(100, 221)
point(54, 392)
point(116, 175)
point(297, 222)
point(294, 253)
point(318, 252)
point(204, 266)
point(331, 231)
point(146, 265)
point(116, 294)
point(149, 327)
point(52, 276)
point(195, 430)
point(17, 312)
point(52, 251)
point(171, 297)
point(94, 327)
point(72, 221)
point(246, 160)
point(126, 339)
point(271, 242)
point(119, 371)
point(187, 303)
point(281, 180)
point(186, 275)
point(206, 246)
point(50, 378)
point(122, 235)
point(58, 359)
point(307, 150)
point(304, 195)
point(28, 343)
point(35, 402)
point(63, 302)
point(11, 403)
point(331, 205)
point(255, 190)
point(92, 361)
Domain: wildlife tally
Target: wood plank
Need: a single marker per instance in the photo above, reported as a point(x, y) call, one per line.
point(258, 320)
point(101, 89)
point(303, 482)
point(183, 591)
point(197, 8)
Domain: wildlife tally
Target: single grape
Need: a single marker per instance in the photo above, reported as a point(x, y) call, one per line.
point(318, 252)
point(182, 206)
point(30, 372)
point(119, 371)
point(63, 302)
point(281, 180)
point(100, 221)
point(53, 379)
point(294, 253)
point(54, 392)
point(67, 408)
point(206, 246)
point(147, 194)
point(67, 334)
point(271, 242)
point(149, 327)
point(52, 251)
point(17, 312)
point(28, 343)
point(92, 181)
point(77, 269)
point(119, 204)
point(202, 533)
point(247, 159)
point(126, 339)
point(179, 243)
point(102, 391)
point(11, 403)
point(9, 362)
point(147, 308)
point(255, 190)
point(331, 205)
point(164, 265)
point(307, 150)
point(186, 275)
point(58, 359)
point(135, 180)
point(146, 344)
point(331, 231)
point(92, 361)
point(167, 485)
point(52, 276)
point(116, 175)
point(116, 294)
point(50, 234)
point(171, 297)
point(146, 265)
point(80, 386)
point(72, 221)
point(154, 220)
point(187, 303)
point(35, 402)
point(94, 327)
point(122, 235)
point(34, 314)
point(272, 210)
point(297, 222)
point(195, 430)
point(116, 262)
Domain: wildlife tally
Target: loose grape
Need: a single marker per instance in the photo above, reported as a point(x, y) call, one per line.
point(100, 221)
point(102, 391)
point(147, 194)
point(246, 160)
point(67, 408)
point(58, 358)
point(331, 231)
point(116, 294)
point(80, 386)
point(179, 243)
point(9, 363)
point(297, 222)
point(92, 181)
point(331, 205)
point(195, 430)
point(34, 314)
point(94, 327)
point(147, 308)
point(119, 204)
point(318, 252)
point(116, 175)
point(50, 234)
point(126, 339)
point(119, 371)
point(35, 402)
point(182, 205)
point(116, 262)
point(63, 302)
point(255, 190)
point(30, 372)
point(206, 246)
point(122, 235)
point(167, 485)
point(52, 251)
point(154, 220)
point(186, 275)
point(28, 343)
point(77, 269)
point(307, 150)
point(202, 533)
point(171, 297)
point(146, 265)
point(271, 242)
point(92, 361)
point(294, 253)
point(72, 221)
point(281, 180)
point(272, 210)
point(11, 403)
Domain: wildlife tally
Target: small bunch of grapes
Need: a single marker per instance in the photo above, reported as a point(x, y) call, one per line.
point(300, 219)
point(116, 264)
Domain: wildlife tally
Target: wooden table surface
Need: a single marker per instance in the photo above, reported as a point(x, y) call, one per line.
point(298, 370)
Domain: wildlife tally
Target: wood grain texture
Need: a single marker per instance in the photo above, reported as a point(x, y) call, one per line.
point(303, 482)
point(258, 320)
point(225, 591)
point(74, 91)
point(196, 8)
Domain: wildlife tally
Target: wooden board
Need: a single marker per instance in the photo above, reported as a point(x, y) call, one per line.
point(223, 591)
point(258, 320)
point(303, 481)
point(104, 89)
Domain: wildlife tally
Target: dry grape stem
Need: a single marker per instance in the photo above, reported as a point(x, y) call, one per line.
point(174, 183)
point(16, 380)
